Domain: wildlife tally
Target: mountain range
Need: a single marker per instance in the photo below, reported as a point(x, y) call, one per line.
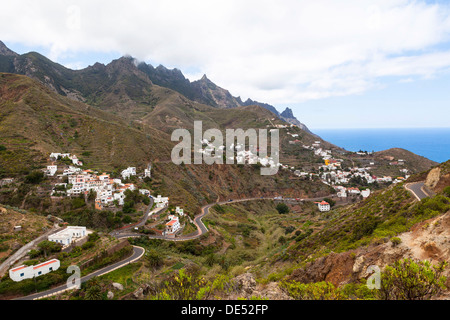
point(98, 83)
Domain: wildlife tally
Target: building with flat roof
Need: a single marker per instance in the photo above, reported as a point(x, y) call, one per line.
point(66, 236)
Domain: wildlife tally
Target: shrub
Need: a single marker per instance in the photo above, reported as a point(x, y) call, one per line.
point(218, 208)
point(154, 258)
point(282, 208)
point(78, 203)
point(447, 191)
point(410, 280)
point(312, 291)
point(34, 177)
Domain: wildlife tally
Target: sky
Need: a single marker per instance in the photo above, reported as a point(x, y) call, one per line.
point(336, 64)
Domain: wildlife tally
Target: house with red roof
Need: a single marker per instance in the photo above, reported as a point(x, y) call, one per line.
point(173, 225)
point(323, 206)
point(28, 272)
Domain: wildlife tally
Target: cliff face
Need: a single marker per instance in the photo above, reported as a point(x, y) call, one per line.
point(438, 178)
point(433, 177)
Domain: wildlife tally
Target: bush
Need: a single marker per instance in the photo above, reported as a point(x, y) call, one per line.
point(87, 245)
point(78, 203)
point(312, 291)
point(154, 258)
point(447, 191)
point(218, 208)
point(410, 280)
point(282, 208)
point(34, 177)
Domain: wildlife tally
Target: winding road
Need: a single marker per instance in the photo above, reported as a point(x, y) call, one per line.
point(201, 228)
point(417, 189)
point(138, 252)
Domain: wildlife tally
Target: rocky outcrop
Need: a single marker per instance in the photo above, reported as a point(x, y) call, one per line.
point(117, 286)
point(433, 177)
point(245, 286)
point(336, 268)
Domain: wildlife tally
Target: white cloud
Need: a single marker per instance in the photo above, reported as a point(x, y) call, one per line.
point(274, 51)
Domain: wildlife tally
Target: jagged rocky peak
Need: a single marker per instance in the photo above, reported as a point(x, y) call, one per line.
point(98, 66)
point(5, 51)
point(288, 113)
point(173, 73)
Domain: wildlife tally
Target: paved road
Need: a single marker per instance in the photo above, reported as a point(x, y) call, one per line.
point(201, 228)
point(148, 212)
point(138, 251)
point(137, 254)
point(416, 189)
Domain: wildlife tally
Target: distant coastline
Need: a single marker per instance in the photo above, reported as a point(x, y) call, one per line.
point(432, 143)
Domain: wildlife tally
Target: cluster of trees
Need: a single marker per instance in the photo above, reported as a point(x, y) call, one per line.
point(132, 198)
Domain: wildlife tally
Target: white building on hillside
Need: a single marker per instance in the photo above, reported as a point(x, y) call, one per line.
point(28, 272)
point(323, 206)
point(173, 225)
point(365, 193)
point(148, 172)
point(128, 172)
point(161, 202)
point(66, 236)
point(51, 170)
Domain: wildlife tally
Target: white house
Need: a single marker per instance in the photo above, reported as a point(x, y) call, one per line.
point(28, 272)
point(353, 190)
point(75, 160)
point(144, 192)
point(161, 202)
point(148, 172)
point(120, 197)
point(66, 236)
point(323, 206)
point(71, 170)
point(128, 172)
point(51, 170)
point(365, 193)
point(173, 225)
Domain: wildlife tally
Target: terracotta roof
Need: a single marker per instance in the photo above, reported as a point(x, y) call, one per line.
point(44, 264)
point(18, 268)
point(171, 222)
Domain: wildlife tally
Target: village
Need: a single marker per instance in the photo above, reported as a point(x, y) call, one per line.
point(110, 192)
point(333, 174)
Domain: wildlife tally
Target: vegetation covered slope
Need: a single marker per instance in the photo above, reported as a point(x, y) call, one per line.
point(35, 122)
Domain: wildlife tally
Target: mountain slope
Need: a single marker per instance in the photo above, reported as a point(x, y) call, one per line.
point(414, 161)
point(34, 121)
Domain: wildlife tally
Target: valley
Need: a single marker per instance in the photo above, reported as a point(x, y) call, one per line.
point(324, 217)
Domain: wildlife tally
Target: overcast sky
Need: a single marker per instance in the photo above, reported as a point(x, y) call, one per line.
point(335, 63)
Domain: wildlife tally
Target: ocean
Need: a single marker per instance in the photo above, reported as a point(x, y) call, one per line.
point(432, 143)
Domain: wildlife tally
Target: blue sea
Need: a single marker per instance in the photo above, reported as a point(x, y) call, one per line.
point(432, 143)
